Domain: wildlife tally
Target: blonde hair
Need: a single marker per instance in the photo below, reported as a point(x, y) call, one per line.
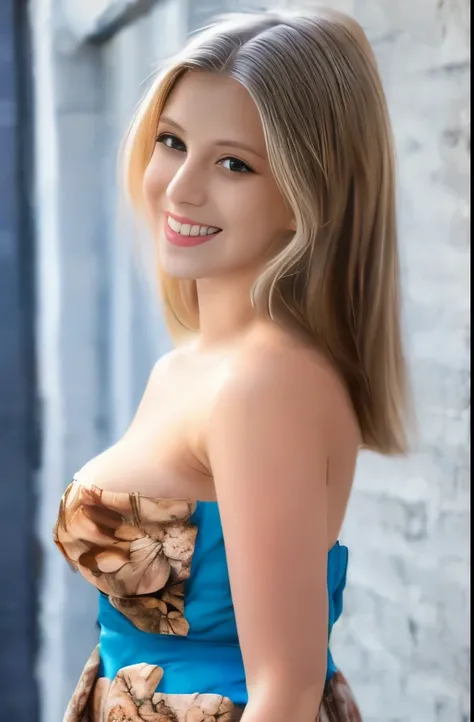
point(316, 85)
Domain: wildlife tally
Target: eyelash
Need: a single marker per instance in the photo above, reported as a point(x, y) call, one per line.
point(162, 137)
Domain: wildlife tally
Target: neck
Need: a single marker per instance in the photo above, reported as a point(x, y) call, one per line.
point(225, 308)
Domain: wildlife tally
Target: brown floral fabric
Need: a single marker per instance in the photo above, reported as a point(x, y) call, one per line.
point(131, 697)
point(339, 704)
point(137, 550)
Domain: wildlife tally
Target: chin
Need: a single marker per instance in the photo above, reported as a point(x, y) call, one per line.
point(180, 275)
point(183, 270)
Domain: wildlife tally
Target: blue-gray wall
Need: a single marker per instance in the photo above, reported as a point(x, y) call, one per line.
point(19, 561)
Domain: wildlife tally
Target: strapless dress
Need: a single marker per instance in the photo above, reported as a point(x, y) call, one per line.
point(168, 647)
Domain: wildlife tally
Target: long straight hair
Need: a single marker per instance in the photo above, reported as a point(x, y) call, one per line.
point(315, 82)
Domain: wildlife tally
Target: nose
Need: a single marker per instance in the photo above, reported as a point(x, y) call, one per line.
point(188, 186)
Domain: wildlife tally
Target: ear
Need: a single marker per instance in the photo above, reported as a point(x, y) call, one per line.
point(292, 225)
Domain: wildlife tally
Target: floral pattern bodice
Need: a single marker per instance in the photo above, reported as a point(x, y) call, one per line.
point(137, 550)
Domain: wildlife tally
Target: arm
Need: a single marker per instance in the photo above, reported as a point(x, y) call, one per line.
point(268, 453)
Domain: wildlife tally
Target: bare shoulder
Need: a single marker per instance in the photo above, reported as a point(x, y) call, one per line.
point(272, 352)
point(275, 371)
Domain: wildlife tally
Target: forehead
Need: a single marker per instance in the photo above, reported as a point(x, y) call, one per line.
point(214, 104)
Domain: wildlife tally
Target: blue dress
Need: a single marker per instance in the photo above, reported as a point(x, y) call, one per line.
point(168, 638)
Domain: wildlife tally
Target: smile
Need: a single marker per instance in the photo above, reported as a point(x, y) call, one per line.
point(185, 232)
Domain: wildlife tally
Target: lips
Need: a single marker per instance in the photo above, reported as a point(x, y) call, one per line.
point(185, 232)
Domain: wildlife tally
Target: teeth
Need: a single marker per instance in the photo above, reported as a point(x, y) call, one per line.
point(174, 224)
point(186, 229)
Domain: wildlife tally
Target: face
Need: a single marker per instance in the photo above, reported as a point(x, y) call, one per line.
point(213, 203)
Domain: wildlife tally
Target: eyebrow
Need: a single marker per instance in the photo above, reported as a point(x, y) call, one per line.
point(228, 143)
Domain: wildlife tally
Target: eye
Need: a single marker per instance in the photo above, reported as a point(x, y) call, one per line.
point(171, 141)
point(235, 165)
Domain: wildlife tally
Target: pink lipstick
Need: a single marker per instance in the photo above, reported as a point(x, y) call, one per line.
point(185, 232)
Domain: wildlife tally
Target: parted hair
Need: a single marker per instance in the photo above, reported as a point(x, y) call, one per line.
point(315, 82)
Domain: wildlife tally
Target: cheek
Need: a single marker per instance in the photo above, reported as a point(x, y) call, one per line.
point(154, 185)
point(264, 210)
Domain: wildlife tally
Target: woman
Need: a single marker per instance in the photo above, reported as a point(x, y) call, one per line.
point(262, 159)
